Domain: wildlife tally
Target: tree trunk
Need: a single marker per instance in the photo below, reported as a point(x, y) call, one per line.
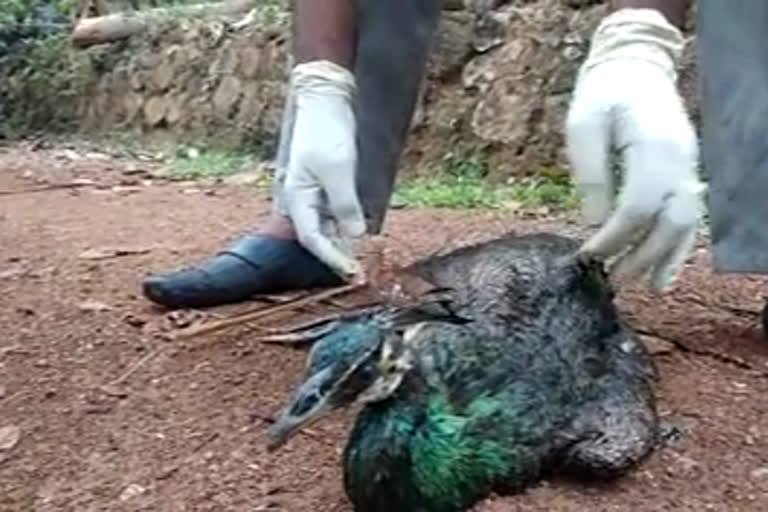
point(117, 26)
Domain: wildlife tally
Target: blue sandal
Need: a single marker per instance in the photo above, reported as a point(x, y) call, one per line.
point(255, 264)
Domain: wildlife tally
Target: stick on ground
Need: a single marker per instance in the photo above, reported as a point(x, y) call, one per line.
point(264, 312)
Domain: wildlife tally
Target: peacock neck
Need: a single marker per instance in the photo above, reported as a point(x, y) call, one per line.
point(378, 469)
point(411, 452)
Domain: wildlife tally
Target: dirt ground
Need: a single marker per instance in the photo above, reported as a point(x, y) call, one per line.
point(97, 413)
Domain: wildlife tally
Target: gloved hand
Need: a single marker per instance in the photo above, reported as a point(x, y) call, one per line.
point(316, 164)
point(626, 97)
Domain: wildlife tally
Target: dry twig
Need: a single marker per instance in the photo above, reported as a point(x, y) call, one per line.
point(260, 313)
point(45, 188)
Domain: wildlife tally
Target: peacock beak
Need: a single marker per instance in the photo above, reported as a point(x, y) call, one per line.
point(308, 404)
point(282, 430)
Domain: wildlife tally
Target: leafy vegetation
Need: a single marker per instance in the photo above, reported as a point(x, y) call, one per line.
point(461, 182)
point(14, 12)
point(190, 163)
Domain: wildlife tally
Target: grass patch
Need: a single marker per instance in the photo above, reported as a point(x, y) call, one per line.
point(190, 163)
point(460, 182)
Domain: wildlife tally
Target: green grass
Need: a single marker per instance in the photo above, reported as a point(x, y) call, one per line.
point(460, 182)
point(457, 182)
point(189, 163)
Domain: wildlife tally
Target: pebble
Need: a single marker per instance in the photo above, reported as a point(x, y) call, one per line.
point(759, 474)
point(9, 437)
point(684, 466)
point(132, 491)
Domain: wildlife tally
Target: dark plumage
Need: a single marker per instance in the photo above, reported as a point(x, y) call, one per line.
point(545, 378)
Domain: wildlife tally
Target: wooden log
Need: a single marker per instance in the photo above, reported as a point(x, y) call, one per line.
point(117, 26)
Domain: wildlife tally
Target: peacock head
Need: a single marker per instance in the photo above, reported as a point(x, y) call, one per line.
point(361, 361)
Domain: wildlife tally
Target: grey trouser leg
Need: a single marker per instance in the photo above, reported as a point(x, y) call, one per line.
point(733, 60)
point(394, 41)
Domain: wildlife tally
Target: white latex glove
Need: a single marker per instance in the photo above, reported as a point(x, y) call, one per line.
point(626, 97)
point(316, 164)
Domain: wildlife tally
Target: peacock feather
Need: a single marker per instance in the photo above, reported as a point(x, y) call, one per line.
point(530, 371)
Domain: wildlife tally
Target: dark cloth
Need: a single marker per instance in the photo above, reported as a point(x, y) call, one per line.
point(394, 43)
point(733, 66)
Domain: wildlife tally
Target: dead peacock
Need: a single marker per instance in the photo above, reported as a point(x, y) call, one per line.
point(527, 370)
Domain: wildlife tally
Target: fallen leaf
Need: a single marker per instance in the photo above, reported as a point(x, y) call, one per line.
point(9, 437)
point(127, 189)
point(136, 171)
point(107, 252)
point(113, 391)
point(94, 305)
point(129, 182)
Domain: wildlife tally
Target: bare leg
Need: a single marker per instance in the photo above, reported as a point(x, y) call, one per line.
point(673, 10)
point(386, 44)
point(322, 30)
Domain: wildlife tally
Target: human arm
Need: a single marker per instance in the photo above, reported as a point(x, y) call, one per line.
point(673, 10)
point(317, 156)
point(325, 30)
point(626, 95)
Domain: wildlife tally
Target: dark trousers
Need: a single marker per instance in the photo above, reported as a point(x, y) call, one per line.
point(733, 65)
point(394, 41)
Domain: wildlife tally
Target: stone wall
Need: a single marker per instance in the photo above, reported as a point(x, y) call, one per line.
point(498, 83)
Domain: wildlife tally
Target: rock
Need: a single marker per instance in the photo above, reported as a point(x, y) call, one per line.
point(154, 110)
point(502, 115)
point(490, 30)
point(175, 109)
point(9, 437)
point(483, 6)
point(163, 75)
point(250, 60)
point(226, 96)
point(452, 45)
point(131, 104)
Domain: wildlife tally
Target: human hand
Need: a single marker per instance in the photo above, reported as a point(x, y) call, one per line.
point(626, 97)
point(316, 164)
